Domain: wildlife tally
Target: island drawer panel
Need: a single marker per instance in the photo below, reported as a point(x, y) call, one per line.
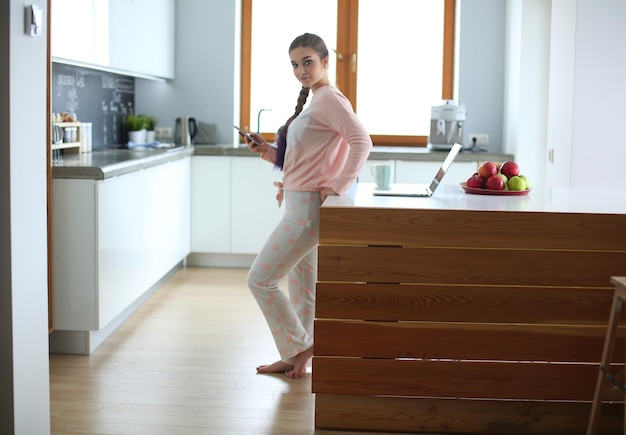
point(470, 228)
point(466, 416)
point(463, 341)
point(464, 303)
point(469, 266)
point(455, 379)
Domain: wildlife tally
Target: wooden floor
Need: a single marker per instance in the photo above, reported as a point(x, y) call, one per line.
point(184, 363)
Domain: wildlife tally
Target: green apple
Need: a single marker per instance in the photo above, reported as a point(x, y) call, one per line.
point(526, 180)
point(517, 183)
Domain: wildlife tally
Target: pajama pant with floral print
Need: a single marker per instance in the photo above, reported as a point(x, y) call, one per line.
point(290, 251)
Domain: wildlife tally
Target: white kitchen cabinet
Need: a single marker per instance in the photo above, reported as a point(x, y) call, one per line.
point(255, 211)
point(133, 37)
point(234, 204)
point(408, 171)
point(211, 204)
point(142, 36)
point(423, 172)
point(234, 208)
point(79, 31)
point(114, 239)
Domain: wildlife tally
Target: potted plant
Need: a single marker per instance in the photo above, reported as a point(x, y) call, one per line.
point(136, 128)
point(150, 124)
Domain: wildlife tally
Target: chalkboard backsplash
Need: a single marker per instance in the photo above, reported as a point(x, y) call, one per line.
point(99, 97)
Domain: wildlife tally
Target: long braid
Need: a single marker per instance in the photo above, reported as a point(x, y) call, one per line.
point(281, 141)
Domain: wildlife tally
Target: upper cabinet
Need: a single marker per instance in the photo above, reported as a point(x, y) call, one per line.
point(143, 39)
point(132, 37)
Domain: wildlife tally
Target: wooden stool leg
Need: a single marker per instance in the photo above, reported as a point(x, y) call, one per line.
point(607, 353)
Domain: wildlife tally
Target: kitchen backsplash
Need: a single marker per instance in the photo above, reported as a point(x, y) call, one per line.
point(99, 97)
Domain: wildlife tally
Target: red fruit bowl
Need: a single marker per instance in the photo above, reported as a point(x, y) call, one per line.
point(477, 191)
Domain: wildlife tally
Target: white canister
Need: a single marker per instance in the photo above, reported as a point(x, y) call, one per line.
point(85, 137)
point(67, 134)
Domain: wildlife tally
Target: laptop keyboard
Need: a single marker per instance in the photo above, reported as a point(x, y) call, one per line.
point(414, 190)
point(404, 190)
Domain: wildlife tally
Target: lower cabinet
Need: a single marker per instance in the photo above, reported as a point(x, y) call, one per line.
point(254, 209)
point(366, 176)
point(234, 206)
point(210, 204)
point(407, 171)
point(114, 239)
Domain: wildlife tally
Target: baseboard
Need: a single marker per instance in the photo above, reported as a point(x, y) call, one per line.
point(243, 261)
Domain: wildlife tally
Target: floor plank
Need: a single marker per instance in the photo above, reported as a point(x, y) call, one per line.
point(184, 363)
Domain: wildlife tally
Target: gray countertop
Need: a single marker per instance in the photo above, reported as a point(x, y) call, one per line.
point(426, 155)
point(102, 164)
point(378, 153)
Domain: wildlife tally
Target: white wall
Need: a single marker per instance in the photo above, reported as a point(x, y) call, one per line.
point(481, 53)
point(599, 95)
point(560, 94)
point(564, 90)
point(526, 85)
point(206, 86)
point(24, 379)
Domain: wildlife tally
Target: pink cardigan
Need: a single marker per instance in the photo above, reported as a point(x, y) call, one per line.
point(326, 145)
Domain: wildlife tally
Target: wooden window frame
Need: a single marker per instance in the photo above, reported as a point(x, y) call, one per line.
point(347, 42)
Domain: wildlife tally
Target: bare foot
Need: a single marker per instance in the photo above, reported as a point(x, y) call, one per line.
point(277, 367)
point(299, 363)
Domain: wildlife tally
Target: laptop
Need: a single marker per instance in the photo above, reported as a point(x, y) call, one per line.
point(423, 190)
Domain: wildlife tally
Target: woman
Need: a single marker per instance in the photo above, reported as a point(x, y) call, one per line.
point(321, 151)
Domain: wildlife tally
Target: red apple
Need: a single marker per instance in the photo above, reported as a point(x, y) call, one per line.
point(488, 169)
point(510, 169)
point(494, 183)
point(475, 181)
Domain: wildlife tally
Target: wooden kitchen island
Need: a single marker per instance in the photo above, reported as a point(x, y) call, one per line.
point(467, 314)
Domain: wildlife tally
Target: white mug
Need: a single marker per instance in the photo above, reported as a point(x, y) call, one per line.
point(383, 175)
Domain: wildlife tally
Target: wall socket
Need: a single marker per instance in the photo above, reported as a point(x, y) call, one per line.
point(162, 133)
point(481, 138)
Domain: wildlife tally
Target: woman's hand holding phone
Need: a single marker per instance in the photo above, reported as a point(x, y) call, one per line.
point(244, 134)
point(255, 142)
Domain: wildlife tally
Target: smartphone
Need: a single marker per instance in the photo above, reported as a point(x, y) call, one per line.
point(246, 135)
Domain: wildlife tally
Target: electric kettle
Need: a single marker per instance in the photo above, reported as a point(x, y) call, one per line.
point(185, 130)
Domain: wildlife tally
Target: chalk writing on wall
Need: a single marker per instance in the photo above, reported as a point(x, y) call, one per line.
point(99, 97)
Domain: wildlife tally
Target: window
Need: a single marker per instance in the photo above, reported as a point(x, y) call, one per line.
point(392, 59)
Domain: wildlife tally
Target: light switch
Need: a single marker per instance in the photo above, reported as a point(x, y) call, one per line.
point(33, 17)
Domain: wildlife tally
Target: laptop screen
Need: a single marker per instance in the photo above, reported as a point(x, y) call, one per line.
point(445, 166)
